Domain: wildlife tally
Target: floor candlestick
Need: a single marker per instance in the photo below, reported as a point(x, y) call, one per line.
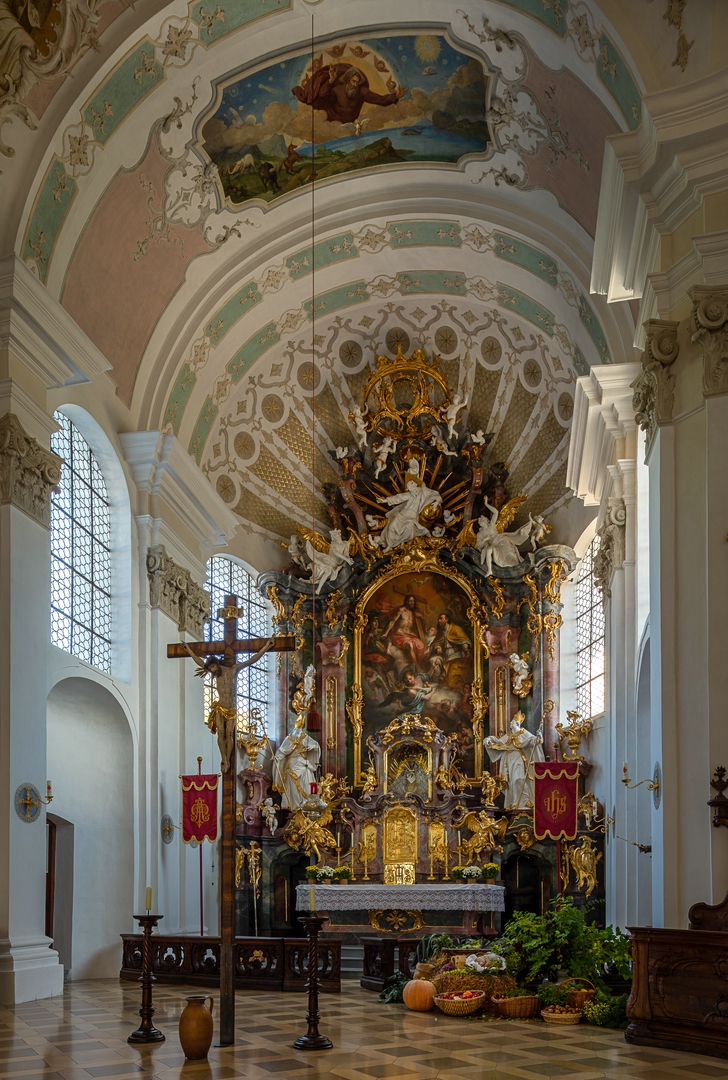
point(313, 1039)
point(146, 1032)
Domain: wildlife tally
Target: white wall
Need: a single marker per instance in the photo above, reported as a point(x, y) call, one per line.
point(90, 761)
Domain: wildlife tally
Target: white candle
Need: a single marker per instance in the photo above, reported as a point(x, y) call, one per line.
point(311, 898)
point(625, 770)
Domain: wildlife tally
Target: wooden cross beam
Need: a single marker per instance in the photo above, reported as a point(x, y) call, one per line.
point(227, 652)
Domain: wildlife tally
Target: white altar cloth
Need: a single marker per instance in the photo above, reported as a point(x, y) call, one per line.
point(425, 897)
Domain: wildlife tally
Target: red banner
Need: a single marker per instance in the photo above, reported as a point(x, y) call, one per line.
point(555, 799)
point(199, 807)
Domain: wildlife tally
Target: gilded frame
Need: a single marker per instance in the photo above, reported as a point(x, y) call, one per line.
point(418, 556)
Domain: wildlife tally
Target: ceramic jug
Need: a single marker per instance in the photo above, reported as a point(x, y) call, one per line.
point(195, 1027)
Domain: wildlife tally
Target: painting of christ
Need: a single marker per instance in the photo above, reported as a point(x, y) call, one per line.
point(417, 657)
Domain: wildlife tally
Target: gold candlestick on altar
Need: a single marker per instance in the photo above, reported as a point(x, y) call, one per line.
point(353, 868)
point(432, 869)
point(365, 862)
point(446, 875)
point(338, 856)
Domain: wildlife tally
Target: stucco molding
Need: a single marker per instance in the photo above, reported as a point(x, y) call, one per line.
point(173, 591)
point(611, 554)
point(709, 325)
point(654, 388)
point(28, 473)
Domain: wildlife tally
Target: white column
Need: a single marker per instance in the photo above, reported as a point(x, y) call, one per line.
point(29, 968)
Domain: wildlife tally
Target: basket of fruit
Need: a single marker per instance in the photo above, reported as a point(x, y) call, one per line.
point(561, 1014)
point(460, 1004)
point(522, 1006)
point(578, 995)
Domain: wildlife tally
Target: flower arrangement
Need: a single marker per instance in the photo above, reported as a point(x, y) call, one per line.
point(342, 873)
point(312, 873)
point(325, 873)
point(491, 871)
point(457, 873)
point(470, 873)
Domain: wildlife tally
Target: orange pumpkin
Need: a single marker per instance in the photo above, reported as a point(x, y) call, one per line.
point(419, 995)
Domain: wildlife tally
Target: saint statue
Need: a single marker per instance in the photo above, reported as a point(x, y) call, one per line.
point(403, 522)
point(515, 754)
point(297, 759)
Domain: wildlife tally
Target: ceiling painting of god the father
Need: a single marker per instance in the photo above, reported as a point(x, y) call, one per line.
point(377, 101)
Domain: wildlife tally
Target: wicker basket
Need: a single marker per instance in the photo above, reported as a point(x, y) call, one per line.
point(560, 1018)
point(517, 1008)
point(460, 1006)
point(578, 996)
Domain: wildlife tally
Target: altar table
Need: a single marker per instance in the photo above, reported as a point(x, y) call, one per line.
point(435, 897)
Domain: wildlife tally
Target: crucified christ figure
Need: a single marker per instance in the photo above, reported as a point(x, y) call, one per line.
point(223, 712)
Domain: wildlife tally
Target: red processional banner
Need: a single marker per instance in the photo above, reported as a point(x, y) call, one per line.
point(199, 807)
point(555, 801)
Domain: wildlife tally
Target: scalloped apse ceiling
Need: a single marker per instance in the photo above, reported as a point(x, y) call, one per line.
point(456, 195)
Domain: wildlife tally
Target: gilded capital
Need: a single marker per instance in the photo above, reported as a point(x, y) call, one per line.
point(172, 590)
point(709, 325)
point(28, 473)
point(654, 388)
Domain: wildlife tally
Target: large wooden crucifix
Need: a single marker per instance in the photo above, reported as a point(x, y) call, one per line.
point(221, 663)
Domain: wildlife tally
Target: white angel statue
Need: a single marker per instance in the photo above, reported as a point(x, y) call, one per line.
point(521, 672)
point(497, 547)
point(327, 562)
point(357, 418)
point(297, 551)
point(439, 443)
point(540, 531)
point(384, 449)
point(268, 810)
point(451, 412)
point(478, 437)
point(342, 452)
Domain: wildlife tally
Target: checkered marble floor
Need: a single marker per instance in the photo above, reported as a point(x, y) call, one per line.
point(82, 1035)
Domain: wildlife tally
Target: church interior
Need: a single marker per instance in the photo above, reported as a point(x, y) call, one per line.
point(363, 539)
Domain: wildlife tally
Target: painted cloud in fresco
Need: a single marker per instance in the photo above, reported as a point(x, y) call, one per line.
point(379, 101)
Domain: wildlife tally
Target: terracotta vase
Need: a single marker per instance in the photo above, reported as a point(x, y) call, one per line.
point(195, 1028)
point(490, 880)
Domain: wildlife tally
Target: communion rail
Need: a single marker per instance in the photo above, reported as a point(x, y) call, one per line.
point(261, 963)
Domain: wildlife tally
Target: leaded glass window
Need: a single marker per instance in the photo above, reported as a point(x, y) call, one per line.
point(80, 551)
point(590, 678)
point(225, 577)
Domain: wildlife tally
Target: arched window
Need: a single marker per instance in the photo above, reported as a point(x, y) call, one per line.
point(80, 551)
point(226, 576)
point(590, 680)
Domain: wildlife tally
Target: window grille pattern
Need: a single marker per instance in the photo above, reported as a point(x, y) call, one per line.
point(224, 577)
point(590, 678)
point(80, 551)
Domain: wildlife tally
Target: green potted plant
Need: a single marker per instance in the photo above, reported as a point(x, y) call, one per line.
point(490, 872)
point(457, 873)
point(312, 874)
point(342, 874)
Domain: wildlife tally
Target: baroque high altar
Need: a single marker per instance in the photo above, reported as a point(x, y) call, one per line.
point(425, 679)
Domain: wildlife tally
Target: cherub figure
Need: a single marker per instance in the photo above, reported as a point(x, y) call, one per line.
point(491, 786)
point(357, 418)
point(384, 449)
point(269, 810)
point(478, 437)
point(342, 452)
point(370, 779)
point(451, 412)
point(312, 836)
point(223, 716)
point(522, 680)
point(439, 443)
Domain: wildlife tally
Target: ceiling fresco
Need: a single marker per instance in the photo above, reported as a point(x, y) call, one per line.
point(387, 100)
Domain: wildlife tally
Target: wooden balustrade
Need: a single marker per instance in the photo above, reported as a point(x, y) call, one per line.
point(261, 963)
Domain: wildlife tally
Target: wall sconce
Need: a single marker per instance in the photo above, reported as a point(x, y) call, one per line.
point(653, 785)
point(588, 808)
point(28, 801)
point(719, 803)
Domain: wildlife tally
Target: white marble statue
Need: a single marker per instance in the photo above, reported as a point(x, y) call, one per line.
point(297, 552)
point(478, 437)
point(514, 754)
point(384, 449)
point(342, 452)
point(309, 686)
point(521, 671)
point(403, 519)
point(326, 565)
point(295, 766)
point(357, 417)
point(269, 811)
point(539, 530)
point(439, 443)
point(451, 412)
point(497, 547)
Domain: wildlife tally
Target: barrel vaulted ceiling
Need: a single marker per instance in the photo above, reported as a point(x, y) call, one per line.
point(227, 323)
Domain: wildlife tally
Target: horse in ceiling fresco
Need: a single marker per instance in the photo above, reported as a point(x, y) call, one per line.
point(354, 105)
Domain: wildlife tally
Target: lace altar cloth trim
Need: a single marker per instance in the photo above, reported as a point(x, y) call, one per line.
point(405, 897)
